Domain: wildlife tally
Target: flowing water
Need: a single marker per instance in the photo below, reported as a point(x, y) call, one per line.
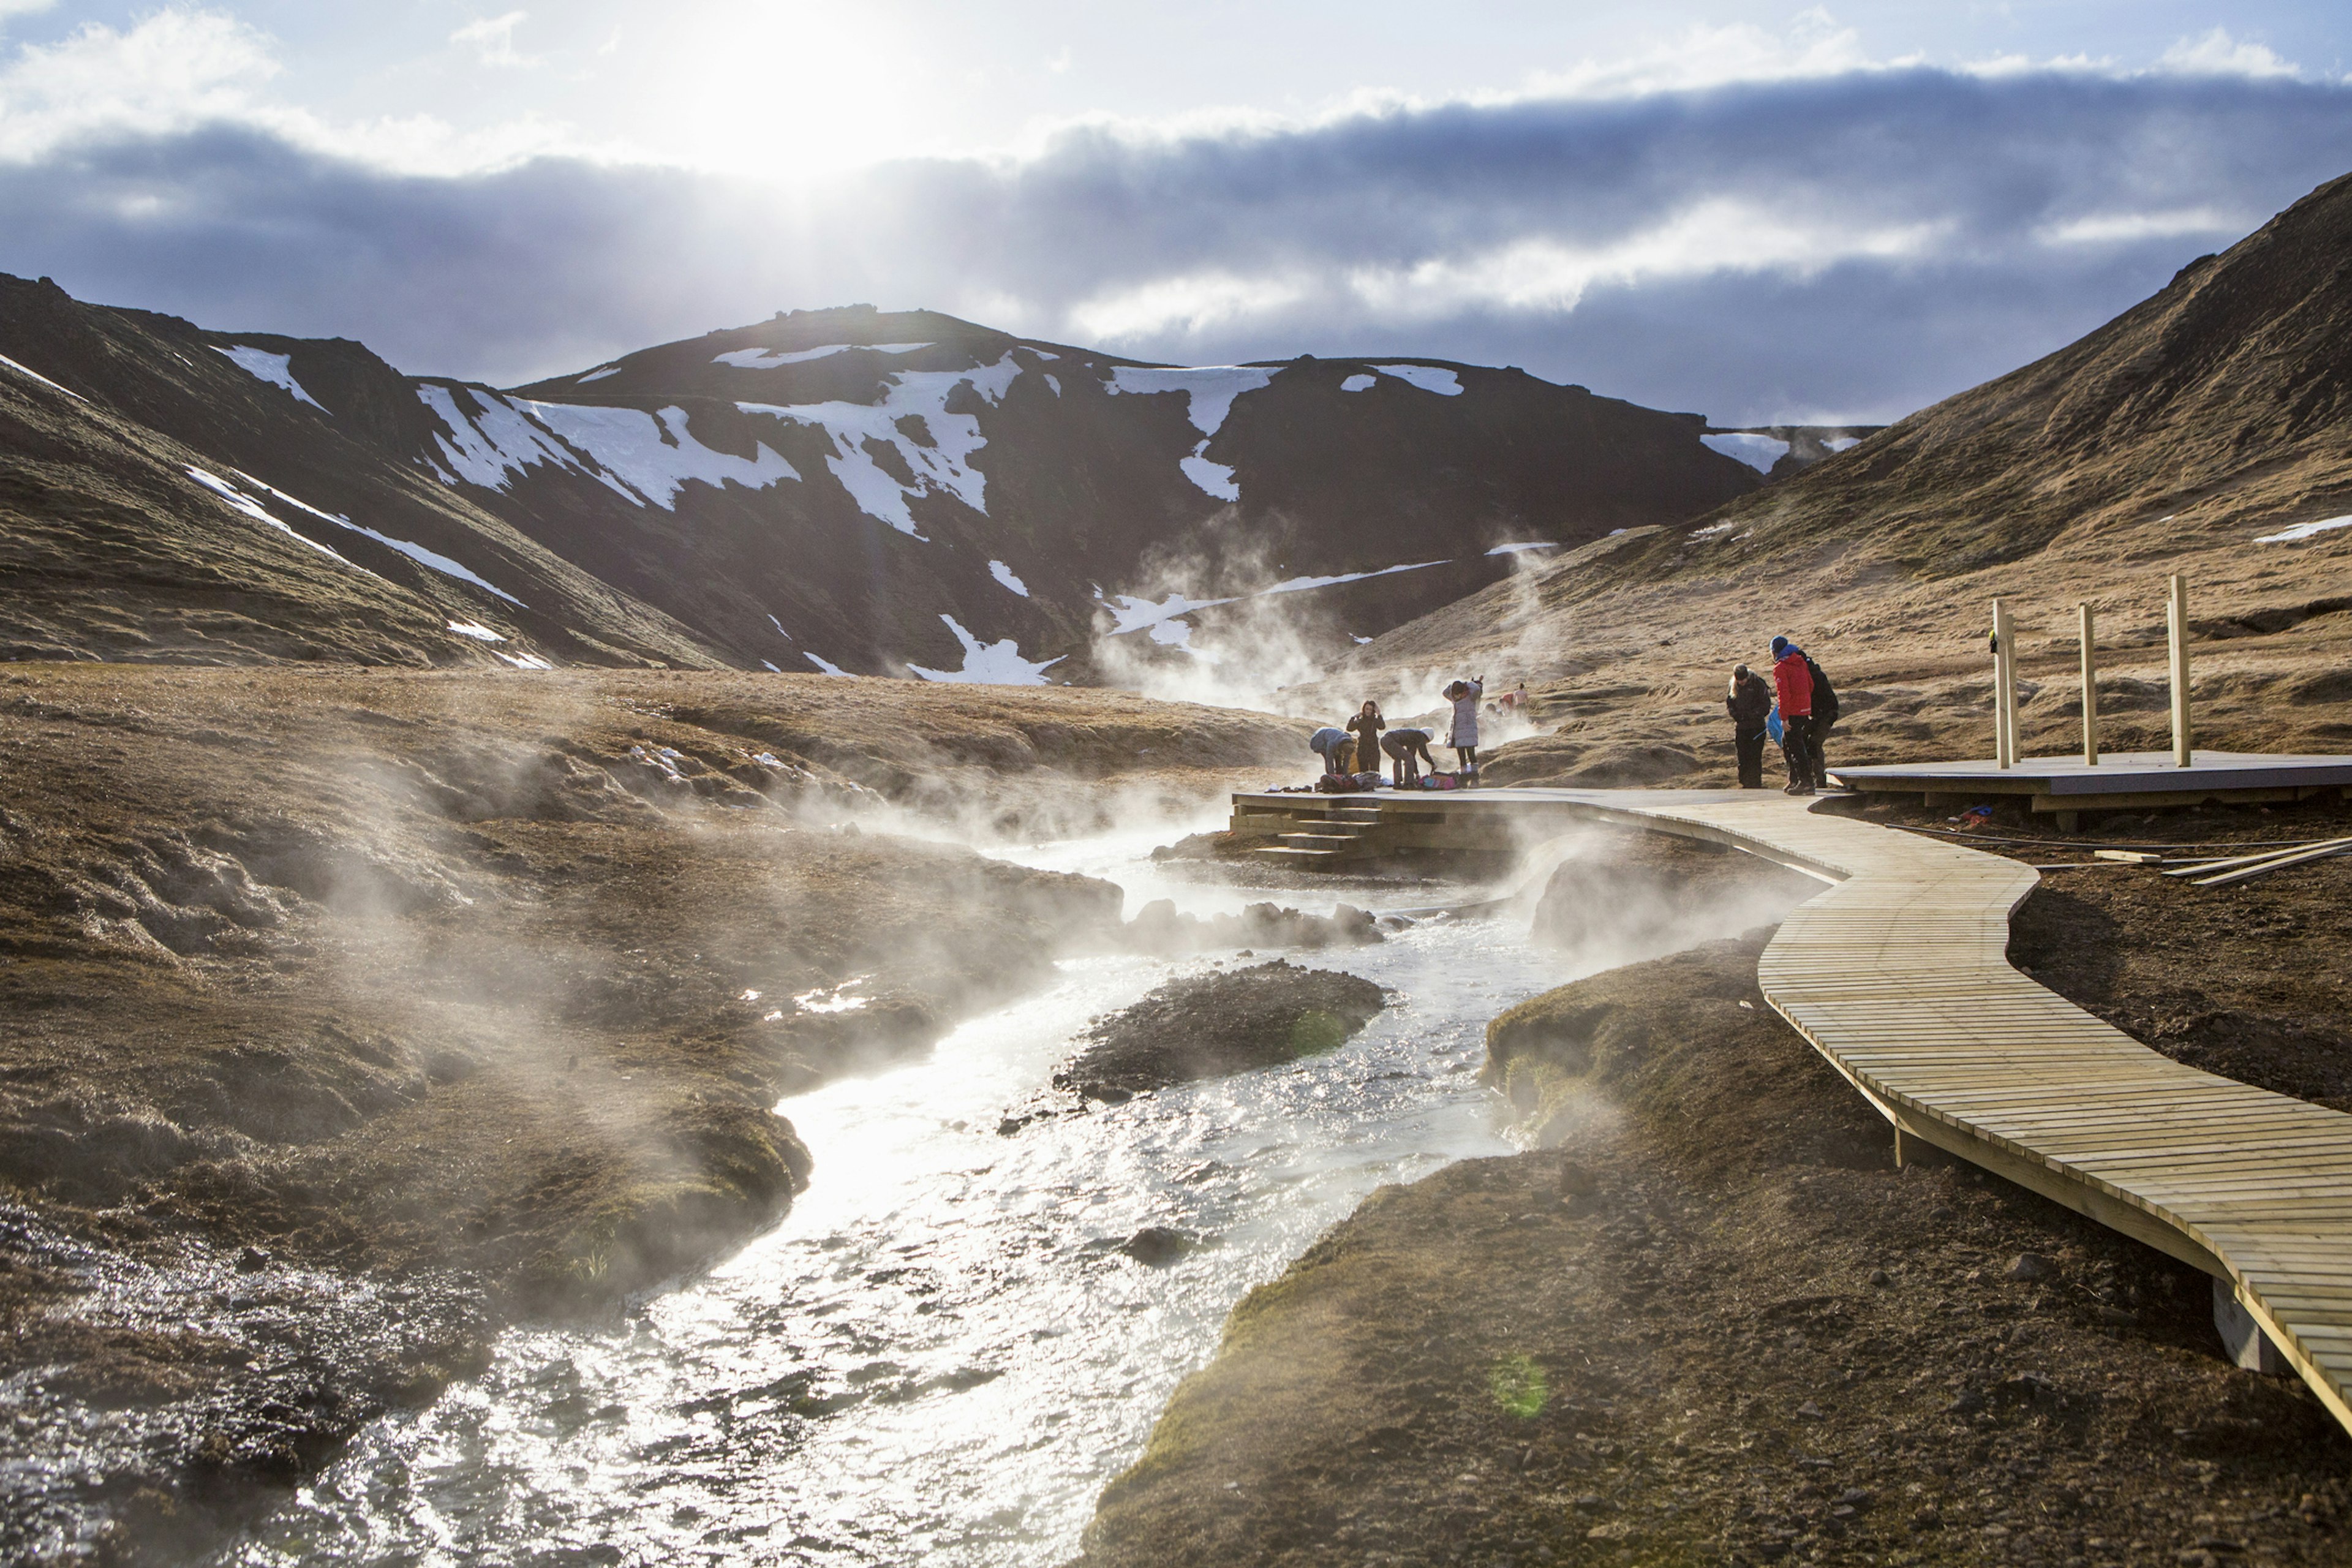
point(940, 1356)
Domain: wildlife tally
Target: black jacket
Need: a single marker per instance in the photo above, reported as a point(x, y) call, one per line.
point(1750, 702)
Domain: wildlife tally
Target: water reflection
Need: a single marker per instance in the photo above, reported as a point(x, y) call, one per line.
point(941, 1355)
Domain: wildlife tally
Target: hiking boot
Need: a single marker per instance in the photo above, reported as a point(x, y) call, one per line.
point(1798, 789)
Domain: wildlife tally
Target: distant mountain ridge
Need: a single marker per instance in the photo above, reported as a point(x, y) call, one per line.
point(845, 490)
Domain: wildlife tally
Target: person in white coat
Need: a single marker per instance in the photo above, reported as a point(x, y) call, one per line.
point(1465, 695)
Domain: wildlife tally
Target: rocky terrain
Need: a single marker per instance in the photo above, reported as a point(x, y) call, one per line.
point(346, 1015)
point(1706, 1320)
point(1205, 1026)
point(2206, 431)
point(877, 494)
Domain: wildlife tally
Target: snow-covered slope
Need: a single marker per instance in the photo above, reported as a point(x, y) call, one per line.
point(877, 494)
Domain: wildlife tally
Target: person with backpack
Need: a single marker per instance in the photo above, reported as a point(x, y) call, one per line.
point(1749, 703)
point(1825, 713)
point(1792, 678)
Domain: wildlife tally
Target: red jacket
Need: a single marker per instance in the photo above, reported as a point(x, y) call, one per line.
point(1796, 686)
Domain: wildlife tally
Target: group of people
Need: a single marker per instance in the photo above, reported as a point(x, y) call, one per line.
point(1796, 708)
point(1353, 754)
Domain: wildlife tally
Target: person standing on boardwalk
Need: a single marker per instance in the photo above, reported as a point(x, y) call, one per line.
point(1464, 738)
point(1749, 704)
point(1825, 713)
point(1366, 726)
point(1794, 682)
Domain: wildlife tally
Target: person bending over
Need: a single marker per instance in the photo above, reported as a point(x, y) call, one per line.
point(1408, 752)
point(1333, 746)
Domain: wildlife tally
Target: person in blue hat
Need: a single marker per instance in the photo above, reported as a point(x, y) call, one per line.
point(1793, 679)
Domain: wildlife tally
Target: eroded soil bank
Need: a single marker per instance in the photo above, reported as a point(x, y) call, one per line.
point(345, 1015)
point(1711, 1323)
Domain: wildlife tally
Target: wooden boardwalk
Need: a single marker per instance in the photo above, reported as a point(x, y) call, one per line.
point(1897, 974)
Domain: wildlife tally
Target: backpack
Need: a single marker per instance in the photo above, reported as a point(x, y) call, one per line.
point(1826, 702)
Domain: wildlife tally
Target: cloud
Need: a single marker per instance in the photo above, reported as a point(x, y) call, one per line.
point(2218, 54)
point(492, 39)
point(1833, 239)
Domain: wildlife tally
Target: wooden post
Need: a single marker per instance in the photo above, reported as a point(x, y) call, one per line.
point(2176, 616)
point(2090, 694)
point(2004, 689)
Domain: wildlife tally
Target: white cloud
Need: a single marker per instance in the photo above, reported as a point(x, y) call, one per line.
point(493, 39)
point(1194, 303)
point(176, 71)
point(2126, 228)
point(1715, 235)
point(1701, 56)
point(2218, 54)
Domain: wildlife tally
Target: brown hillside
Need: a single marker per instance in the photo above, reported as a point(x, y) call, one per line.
point(2180, 436)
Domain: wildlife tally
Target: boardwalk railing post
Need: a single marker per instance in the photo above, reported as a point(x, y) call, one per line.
point(2176, 616)
point(2004, 689)
point(2090, 694)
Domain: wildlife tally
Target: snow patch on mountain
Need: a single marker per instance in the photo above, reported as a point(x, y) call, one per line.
point(1360, 383)
point(658, 460)
point(272, 368)
point(430, 560)
point(989, 664)
point(779, 626)
point(484, 447)
point(1428, 377)
point(1758, 452)
point(44, 381)
point(1301, 584)
point(1129, 614)
point(1004, 574)
point(942, 465)
point(769, 359)
point(599, 374)
point(1515, 549)
point(238, 501)
point(829, 667)
point(476, 630)
point(1209, 391)
point(1215, 480)
point(2303, 530)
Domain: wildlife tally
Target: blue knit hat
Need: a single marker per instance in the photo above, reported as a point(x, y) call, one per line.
point(1780, 647)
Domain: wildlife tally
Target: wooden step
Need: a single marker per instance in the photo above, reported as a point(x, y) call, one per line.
point(1332, 843)
point(1301, 859)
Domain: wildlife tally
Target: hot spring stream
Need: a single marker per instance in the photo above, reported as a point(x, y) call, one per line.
point(939, 1356)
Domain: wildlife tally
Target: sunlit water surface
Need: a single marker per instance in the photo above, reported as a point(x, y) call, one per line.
point(940, 1356)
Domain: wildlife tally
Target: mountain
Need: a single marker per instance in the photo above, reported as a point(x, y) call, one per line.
point(162, 498)
point(2207, 431)
point(846, 489)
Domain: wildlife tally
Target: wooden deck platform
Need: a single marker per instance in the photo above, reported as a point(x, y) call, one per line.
point(2122, 780)
point(1896, 974)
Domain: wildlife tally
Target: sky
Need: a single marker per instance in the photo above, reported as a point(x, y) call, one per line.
point(1841, 213)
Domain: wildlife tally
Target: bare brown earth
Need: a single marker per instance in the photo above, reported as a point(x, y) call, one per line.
point(346, 1013)
point(1709, 1322)
point(2172, 439)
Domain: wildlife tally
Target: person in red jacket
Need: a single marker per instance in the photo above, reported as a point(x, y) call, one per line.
point(1795, 684)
